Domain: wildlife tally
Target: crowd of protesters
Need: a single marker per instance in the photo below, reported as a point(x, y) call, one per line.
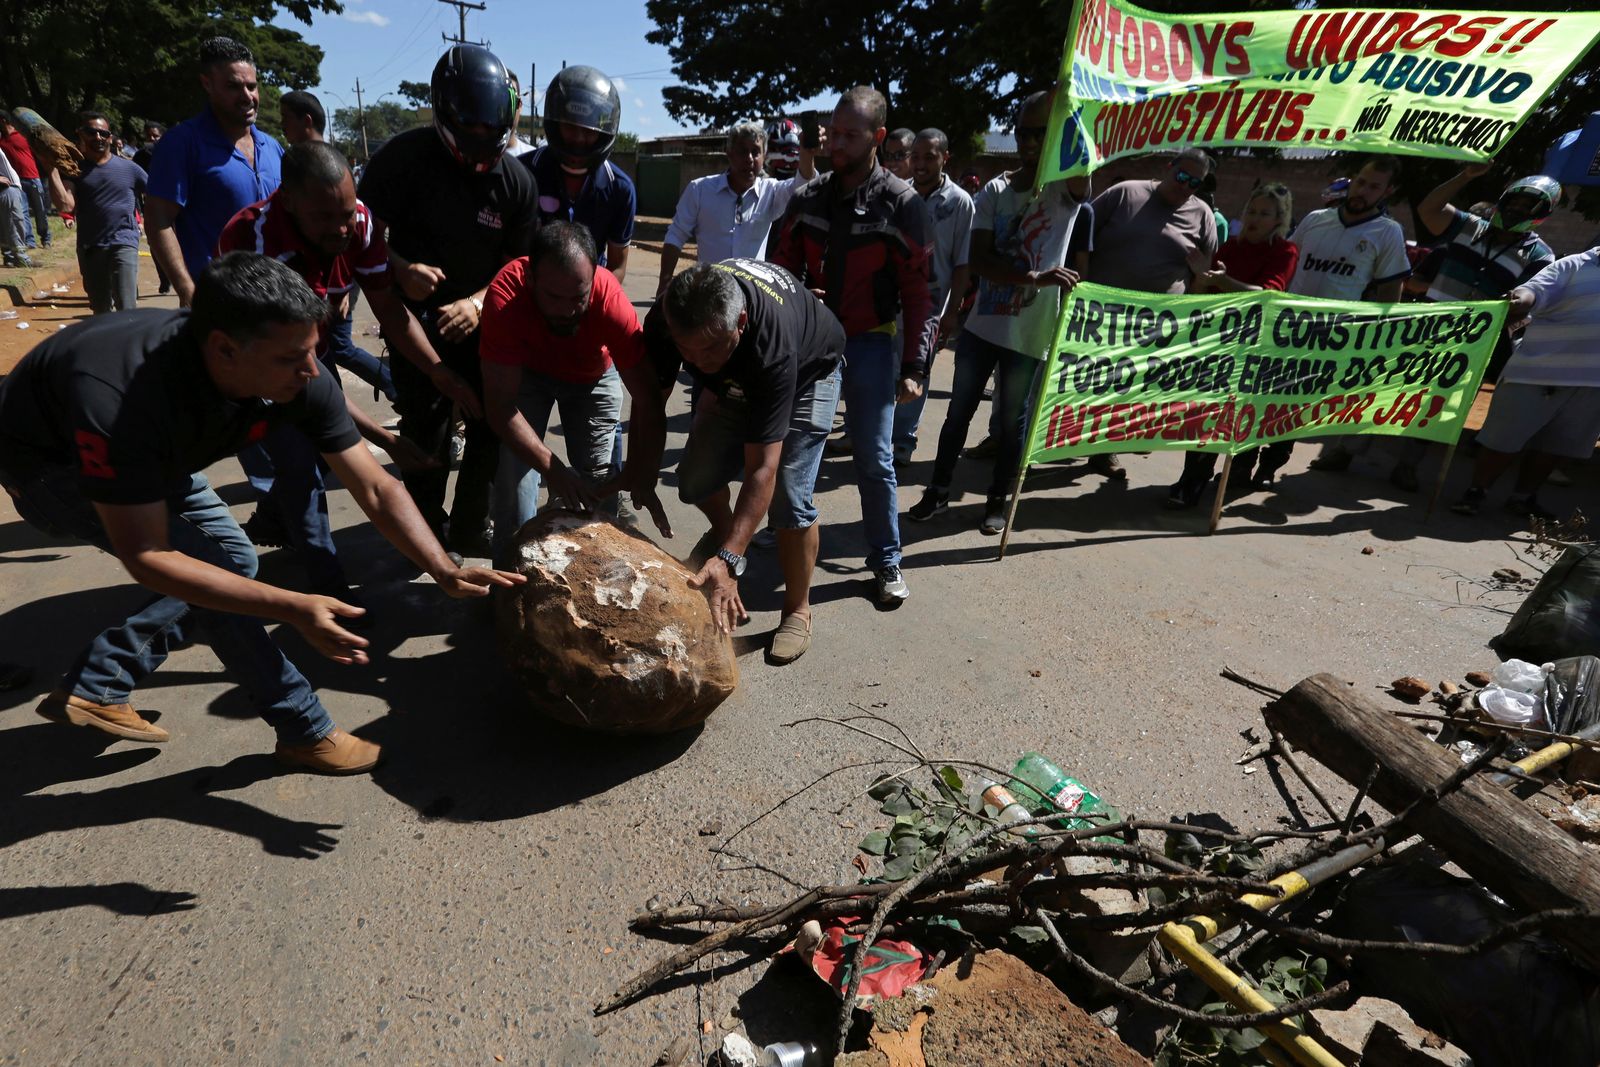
point(495, 269)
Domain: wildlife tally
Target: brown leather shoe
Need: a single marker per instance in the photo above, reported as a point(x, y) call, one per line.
point(338, 753)
point(118, 720)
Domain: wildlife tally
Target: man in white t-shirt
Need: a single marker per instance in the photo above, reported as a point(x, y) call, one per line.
point(1021, 248)
point(1351, 251)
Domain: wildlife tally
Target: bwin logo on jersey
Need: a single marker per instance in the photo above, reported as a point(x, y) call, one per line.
point(1340, 267)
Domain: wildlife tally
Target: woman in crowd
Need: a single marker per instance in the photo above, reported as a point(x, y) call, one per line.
point(1260, 256)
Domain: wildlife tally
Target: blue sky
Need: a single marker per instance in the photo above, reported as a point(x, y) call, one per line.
point(384, 41)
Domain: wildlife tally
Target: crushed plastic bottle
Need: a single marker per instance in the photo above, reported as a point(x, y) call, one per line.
point(7, 315)
point(1007, 809)
point(61, 287)
point(1043, 787)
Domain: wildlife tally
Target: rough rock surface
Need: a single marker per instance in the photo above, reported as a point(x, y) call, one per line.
point(606, 633)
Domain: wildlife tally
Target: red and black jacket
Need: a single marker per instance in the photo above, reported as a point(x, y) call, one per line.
point(868, 252)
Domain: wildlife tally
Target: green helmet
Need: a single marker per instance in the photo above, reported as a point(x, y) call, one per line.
point(1526, 203)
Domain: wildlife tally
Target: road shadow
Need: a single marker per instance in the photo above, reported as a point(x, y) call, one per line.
point(120, 898)
point(33, 757)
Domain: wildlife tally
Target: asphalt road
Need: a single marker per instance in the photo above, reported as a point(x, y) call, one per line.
point(468, 903)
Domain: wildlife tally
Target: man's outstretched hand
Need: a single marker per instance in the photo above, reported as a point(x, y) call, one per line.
point(466, 582)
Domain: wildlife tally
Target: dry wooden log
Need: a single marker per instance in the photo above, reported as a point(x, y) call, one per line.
point(1496, 838)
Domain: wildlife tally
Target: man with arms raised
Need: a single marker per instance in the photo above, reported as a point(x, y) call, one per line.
point(766, 354)
point(104, 429)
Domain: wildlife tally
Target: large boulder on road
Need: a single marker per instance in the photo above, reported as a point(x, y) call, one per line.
point(606, 633)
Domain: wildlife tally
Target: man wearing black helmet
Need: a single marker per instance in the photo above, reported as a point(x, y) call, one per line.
point(456, 211)
point(576, 178)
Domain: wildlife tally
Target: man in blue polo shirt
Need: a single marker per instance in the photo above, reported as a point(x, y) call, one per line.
point(577, 181)
point(207, 169)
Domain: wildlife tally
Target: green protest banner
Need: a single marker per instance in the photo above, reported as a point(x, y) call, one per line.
point(1149, 372)
point(1447, 84)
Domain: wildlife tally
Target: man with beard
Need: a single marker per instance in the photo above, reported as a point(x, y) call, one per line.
point(858, 237)
point(315, 224)
point(209, 167)
point(558, 331)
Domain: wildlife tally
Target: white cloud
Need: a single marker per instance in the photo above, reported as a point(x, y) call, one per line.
point(621, 85)
point(369, 18)
point(645, 120)
point(638, 102)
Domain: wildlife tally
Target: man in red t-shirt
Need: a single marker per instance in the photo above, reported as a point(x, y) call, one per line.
point(14, 143)
point(557, 331)
point(315, 225)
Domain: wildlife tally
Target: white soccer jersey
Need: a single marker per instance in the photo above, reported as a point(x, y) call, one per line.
point(1339, 261)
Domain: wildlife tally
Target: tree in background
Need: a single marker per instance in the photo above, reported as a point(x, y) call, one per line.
point(962, 65)
point(419, 93)
point(136, 60)
point(384, 119)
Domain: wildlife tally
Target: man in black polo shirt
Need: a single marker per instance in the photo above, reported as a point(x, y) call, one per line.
point(766, 354)
point(104, 429)
point(456, 211)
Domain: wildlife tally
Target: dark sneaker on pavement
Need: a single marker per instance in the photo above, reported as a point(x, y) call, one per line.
point(264, 530)
point(1529, 508)
point(1404, 477)
point(1107, 464)
point(994, 517)
point(933, 502)
point(1333, 461)
point(1185, 494)
point(988, 448)
point(892, 588)
point(839, 446)
point(1471, 502)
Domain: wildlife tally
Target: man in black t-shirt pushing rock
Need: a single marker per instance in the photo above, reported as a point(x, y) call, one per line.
point(104, 429)
point(766, 354)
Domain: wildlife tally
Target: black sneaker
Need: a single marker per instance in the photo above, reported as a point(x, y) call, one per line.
point(1404, 477)
point(265, 530)
point(1333, 461)
point(1185, 494)
point(988, 448)
point(994, 517)
point(933, 502)
point(1108, 465)
point(1529, 508)
point(1471, 502)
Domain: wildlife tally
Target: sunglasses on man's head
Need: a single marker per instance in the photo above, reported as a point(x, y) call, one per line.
point(1183, 177)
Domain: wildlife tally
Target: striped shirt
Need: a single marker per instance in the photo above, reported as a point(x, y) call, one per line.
point(1559, 346)
point(1480, 265)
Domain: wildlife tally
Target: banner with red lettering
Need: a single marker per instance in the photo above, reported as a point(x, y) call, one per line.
point(1149, 372)
point(1445, 84)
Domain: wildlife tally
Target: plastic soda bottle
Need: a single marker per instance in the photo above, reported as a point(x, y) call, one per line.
point(1044, 787)
point(1007, 809)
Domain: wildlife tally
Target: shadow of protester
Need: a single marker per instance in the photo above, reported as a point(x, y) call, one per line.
point(184, 797)
point(482, 753)
point(123, 898)
point(790, 1003)
point(43, 754)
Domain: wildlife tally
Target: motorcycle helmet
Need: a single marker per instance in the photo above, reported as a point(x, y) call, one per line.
point(783, 148)
point(471, 88)
point(583, 97)
point(1526, 203)
point(1335, 192)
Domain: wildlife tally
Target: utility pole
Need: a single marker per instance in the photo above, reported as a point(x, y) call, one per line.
point(361, 120)
point(461, 7)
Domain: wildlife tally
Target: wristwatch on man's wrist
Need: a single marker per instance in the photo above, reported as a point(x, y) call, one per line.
point(735, 562)
point(477, 303)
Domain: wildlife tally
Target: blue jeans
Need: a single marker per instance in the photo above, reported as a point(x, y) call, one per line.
point(1015, 378)
point(13, 217)
point(871, 377)
point(286, 470)
point(714, 454)
point(908, 417)
point(110, 277)
point(343, 352)
point(33, 190)
point(590, 415)
point(118, 660)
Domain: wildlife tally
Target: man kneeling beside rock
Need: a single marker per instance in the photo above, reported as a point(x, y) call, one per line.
point(766, 354)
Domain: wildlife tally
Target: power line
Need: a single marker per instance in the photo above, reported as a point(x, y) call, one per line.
point(461, 7)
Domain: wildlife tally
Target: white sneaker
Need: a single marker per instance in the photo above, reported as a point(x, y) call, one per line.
point(892, 588)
